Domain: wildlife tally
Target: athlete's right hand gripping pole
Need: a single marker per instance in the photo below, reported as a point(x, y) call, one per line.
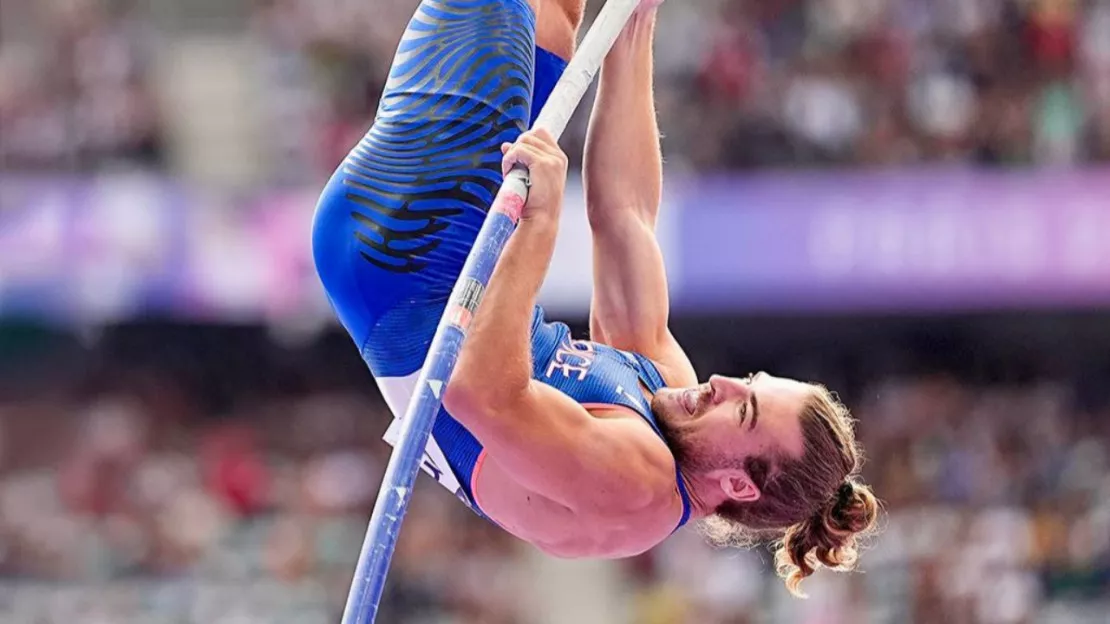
point(404, 465)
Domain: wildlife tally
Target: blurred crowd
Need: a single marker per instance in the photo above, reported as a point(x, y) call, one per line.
point(895, 82)
point(78, 94)
point(145, 509)
point(130, 496)
point(741, 83)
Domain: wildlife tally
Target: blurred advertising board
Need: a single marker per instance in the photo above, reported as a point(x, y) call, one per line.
point(943, 240)
point(110, 248)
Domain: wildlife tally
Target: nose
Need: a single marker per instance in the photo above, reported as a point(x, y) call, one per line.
point(727, 388)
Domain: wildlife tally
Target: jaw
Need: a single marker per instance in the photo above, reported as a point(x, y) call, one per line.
point(677, 425)
point(668, 409)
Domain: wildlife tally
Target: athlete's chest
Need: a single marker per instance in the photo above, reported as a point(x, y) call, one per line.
point(593, 374)
point(562, 532)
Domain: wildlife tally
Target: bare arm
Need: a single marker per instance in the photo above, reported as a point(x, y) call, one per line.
point(549, 443)
point(624, 178)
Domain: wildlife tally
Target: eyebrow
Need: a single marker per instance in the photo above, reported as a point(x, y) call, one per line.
point(755, 405)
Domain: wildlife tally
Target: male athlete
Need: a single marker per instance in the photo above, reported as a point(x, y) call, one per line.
point(584, 449)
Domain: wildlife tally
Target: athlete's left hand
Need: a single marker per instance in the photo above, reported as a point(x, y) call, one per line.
point(547, 166)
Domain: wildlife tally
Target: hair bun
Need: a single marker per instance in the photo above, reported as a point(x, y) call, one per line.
point(851, 511)
point(845, 493)
point(831, 537)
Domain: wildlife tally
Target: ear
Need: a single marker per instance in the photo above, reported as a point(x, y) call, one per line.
point(737, 485)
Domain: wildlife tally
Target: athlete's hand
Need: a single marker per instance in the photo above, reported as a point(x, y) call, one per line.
point(547, 165)
point(648, 5)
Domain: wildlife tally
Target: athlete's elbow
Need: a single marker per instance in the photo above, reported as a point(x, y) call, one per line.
point(602, 207)
point(615, 219)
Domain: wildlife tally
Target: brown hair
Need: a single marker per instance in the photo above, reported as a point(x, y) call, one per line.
point(813, 507)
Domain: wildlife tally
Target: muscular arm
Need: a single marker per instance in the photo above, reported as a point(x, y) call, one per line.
point(549, 443)
point(623, 178)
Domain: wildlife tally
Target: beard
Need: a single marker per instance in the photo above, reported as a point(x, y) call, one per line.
point(684, 437)
point(679, 437)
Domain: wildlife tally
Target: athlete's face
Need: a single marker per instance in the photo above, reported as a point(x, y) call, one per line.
point(714, 427)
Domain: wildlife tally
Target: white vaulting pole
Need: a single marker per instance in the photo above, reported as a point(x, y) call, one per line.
point(369, 580)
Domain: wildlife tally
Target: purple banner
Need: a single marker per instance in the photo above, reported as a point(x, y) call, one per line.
point(922, 240)
point(116, 247)
point(91, 248)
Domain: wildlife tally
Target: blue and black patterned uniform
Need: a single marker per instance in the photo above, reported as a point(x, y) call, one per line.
point(397, 220)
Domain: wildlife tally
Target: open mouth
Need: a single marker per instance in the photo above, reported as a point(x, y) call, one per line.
point(690, 401)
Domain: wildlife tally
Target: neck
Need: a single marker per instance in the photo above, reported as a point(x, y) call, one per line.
point(705, 495)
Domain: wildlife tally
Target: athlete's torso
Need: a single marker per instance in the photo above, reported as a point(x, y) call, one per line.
point(602, 379)
point(609, 383)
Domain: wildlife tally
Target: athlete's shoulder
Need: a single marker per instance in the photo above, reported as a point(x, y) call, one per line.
point(637, 528)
